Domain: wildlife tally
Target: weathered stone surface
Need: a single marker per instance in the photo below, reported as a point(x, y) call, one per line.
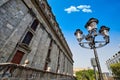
point(16, 21)
point(14, 38)
point(40, 55)
point(54, 57)
point(61, 69)
point(3, 2)
point(34, 46)
point(8, 20)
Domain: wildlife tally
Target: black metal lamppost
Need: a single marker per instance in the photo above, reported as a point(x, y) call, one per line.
point(94, 65)
point(90, 41)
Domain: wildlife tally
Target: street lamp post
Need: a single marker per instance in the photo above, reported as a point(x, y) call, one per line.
point(90, 41)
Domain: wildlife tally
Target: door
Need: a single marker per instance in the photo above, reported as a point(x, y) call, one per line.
point(18, 57)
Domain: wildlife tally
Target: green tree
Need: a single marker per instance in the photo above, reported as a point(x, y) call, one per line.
point(85, 75)
point(116, 70)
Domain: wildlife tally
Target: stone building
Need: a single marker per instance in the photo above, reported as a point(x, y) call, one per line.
point(114, 59)
point(29, 32)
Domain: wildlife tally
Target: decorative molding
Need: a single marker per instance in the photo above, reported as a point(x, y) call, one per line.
point(32, 12)
point(24, 46)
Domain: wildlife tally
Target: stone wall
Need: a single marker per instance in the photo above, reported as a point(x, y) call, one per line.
point(47, 48)
point(14, 19)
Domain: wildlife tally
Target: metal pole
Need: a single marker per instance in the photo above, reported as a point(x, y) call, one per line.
point(93, 63)
point(95, 73)
point(98, 65)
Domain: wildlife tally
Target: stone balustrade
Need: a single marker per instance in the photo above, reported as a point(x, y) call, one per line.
point(10, 71)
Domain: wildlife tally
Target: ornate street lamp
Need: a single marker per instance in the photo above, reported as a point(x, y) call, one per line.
point(90, 41)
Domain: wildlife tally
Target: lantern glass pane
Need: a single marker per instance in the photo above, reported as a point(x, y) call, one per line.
point(105, 32)
point(89, 28)
point(79, 35)
point(92, 25)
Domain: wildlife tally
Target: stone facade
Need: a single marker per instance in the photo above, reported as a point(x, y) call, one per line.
point(29, 31)
point(114, 59)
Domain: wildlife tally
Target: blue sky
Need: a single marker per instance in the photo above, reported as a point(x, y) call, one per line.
point(73, 14)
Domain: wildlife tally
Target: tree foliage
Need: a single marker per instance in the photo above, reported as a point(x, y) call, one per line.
point(85, 75)
point(115, 69)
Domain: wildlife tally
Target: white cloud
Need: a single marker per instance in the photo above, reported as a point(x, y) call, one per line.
point(87, 10)
point(83, 8)
point(71, 9)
